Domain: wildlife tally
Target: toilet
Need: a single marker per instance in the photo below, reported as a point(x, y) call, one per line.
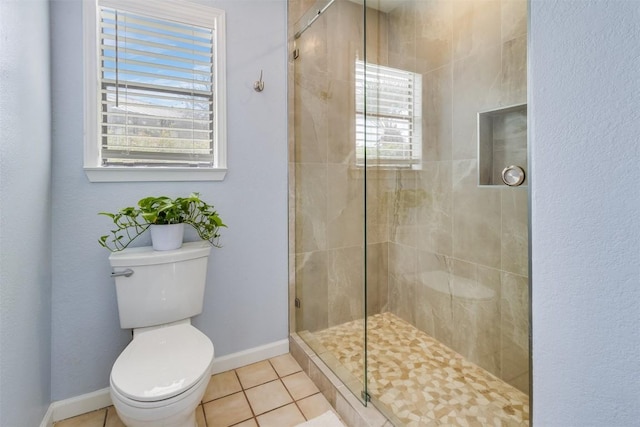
point(161, 376)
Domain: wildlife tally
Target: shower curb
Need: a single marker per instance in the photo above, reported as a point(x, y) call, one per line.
point(350, 409)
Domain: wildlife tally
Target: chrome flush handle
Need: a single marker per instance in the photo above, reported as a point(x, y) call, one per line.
point(126, 273)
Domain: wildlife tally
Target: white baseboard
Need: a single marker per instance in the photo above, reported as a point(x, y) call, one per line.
point(67, 408)
point(252, 355)
point(82, 404)
point(47, 420)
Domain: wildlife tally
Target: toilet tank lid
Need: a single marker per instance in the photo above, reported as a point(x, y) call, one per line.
point(145, 255)
point(162, 363)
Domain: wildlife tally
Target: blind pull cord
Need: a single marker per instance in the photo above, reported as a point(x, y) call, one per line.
point(117, 63)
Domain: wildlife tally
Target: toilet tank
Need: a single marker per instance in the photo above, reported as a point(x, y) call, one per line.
point(165, 286)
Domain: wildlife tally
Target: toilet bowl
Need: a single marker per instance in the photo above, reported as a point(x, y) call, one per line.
point(161, 376)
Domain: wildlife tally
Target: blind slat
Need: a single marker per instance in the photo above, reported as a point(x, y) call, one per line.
point(160, 79)
point(198, 134)
point(141, 90)
point(153, 110)
point(153, 26)
point(187, 68)
point(175, 123)
point(130, 37)
point(156, 90)
point(154, 156)
point(158, 143)
point(129, 51)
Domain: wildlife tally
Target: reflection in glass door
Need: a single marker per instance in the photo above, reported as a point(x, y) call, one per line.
point(329, 190)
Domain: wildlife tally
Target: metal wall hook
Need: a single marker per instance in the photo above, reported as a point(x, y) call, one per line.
point(258, 85)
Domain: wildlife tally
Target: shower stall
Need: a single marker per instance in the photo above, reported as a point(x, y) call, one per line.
point(409, 256)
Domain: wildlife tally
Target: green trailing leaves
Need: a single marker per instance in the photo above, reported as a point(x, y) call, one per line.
point(131, 222)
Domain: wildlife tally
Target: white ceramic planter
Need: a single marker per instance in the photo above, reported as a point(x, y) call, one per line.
point(166, 237)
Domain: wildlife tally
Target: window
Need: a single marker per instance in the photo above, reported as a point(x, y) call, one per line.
point(155, 89)
point(388, 116)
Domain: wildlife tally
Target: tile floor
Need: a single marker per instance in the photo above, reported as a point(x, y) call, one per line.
point(271, 393)
point(421, 382)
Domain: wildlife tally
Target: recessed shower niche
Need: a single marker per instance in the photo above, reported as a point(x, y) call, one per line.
point(502, 145)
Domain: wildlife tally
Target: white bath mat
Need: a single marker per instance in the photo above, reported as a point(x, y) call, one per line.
point(328, 419)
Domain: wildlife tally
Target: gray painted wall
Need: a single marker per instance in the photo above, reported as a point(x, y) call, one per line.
point(25, 196)
point(585, 109)
point(246, 297)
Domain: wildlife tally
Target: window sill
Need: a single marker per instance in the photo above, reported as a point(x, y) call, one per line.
point(158, 174)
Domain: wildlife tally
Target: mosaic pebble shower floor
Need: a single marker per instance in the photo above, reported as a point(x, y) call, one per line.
point(420, 380)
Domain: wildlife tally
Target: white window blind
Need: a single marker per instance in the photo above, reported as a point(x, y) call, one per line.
point(156, 95)
point(388, 116)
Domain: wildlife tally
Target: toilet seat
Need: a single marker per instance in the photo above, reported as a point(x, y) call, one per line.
point(162, 363)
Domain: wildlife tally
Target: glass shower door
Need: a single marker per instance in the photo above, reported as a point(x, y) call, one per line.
point(329, 189)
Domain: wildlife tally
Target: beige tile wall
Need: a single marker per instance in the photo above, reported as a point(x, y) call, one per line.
point(472, 56)
point(327, 196)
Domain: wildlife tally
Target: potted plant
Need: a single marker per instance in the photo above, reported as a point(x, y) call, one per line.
point(166, 218)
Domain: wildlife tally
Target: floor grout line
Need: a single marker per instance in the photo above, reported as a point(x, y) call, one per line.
point(204, 414)
point(235, 371)
point(295, 402)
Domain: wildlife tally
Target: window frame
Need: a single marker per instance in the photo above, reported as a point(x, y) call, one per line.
point(195, 12)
